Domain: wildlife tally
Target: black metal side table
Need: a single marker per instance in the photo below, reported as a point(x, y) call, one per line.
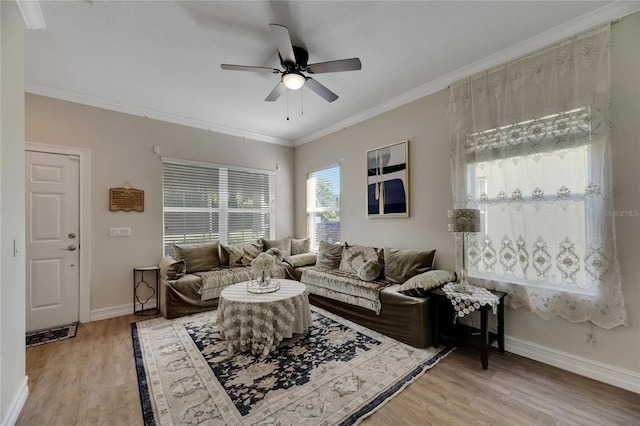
point(445, 329)
point(143, 292)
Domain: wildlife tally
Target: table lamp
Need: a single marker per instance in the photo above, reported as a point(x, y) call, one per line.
point(462, 221)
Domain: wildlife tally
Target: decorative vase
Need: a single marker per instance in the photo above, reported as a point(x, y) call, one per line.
point(264, 279)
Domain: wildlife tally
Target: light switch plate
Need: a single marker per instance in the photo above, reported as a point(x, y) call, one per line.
point(119, 232)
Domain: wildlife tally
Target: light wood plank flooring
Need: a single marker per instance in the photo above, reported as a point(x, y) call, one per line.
point(91, 380)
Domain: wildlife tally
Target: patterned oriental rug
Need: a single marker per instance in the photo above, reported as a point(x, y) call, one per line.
point(335, 374)
point(49, 335)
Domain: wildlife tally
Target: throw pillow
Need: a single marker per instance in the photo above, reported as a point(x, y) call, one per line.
point(171, 269)
point(300, 246)
point(370, 270)
point(275, 252)
point(283, 244)
point(400, 265)
point(329, 255)
point(353, 257)
point(199, 257)
point(304, 259)
point(240, 255)
point(422, 283)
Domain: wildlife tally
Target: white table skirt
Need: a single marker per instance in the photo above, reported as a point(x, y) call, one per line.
point(259, 322)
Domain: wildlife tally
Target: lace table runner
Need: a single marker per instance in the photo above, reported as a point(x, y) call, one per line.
point(259, 322)
point(465, 303)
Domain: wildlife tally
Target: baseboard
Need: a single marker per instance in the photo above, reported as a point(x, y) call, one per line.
point(117, 311)
point(13, 413)
point(605, 373)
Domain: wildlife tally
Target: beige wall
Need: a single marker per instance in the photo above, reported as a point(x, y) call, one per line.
point(12, 217)
point(423, 123)
point(122, 152)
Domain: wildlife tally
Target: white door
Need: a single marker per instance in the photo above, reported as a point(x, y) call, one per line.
point(52, 208)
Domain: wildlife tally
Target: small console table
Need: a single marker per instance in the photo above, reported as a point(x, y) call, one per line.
point(444, 328)
point(143, 292)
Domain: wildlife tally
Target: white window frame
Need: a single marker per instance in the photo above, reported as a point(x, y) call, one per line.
point(312, 209)
point(223, 210)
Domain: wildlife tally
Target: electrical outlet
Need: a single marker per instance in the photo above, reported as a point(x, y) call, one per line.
point(119, 232)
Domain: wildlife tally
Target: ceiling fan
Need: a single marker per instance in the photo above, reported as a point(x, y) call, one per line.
point(294, 61)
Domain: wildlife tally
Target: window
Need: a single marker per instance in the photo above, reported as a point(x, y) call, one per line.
point(323, 206)
point(205, 202)
point(527, 210)
point(530, 147)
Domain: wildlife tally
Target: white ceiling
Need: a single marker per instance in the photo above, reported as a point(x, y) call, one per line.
point(162, 59)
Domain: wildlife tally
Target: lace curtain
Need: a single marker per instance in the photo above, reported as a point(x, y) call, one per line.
point(530, 147)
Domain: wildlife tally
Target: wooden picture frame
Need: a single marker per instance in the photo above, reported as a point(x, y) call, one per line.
point(388, 181)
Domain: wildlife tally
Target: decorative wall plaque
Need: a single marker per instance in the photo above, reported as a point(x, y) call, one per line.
point(126, 199)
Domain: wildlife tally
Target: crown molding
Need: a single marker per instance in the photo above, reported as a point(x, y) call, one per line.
point(85, 99)
point(608, 13)
point(31, 14)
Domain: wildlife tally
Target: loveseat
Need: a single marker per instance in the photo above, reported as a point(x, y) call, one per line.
point(383, 289)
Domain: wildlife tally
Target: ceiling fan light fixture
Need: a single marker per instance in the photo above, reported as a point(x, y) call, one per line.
point(293, 80)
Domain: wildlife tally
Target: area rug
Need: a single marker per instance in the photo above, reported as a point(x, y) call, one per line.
point(49, 335)
point(336, 373)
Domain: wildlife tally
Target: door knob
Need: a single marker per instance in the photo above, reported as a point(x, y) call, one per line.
point(70, 247)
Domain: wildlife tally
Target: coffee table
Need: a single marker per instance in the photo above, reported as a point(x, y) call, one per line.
point(259, 322)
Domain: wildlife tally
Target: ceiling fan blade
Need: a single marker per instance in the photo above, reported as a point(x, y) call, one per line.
point(352, 64)
point(276, 92)
point(325, 93)
point(281, 37)
point(249, 68)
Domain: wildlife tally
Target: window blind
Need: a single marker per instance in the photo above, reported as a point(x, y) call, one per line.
point(205, 202)
point(323, 206)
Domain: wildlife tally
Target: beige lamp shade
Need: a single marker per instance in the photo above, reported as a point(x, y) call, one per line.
point(464, 220)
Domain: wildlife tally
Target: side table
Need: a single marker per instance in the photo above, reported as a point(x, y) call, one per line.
point(445, 329)
point(143, 292)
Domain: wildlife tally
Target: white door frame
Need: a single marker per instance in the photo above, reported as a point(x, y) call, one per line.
point(85, 218)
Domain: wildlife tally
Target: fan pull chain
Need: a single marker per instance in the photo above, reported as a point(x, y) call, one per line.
point(287, 105)
point(301, 102)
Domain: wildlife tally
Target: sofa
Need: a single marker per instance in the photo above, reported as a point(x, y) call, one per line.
point(382, 289)
point(386, 290)
point(192, 279)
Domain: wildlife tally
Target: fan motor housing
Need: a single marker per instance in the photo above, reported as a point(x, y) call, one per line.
point(302, 57)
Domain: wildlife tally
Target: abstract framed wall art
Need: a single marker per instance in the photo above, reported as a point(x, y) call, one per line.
point(388, 181)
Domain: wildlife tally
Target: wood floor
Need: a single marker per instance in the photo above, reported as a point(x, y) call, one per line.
point(91, 380)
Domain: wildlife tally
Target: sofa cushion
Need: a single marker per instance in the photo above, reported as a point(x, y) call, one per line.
point(304, 259)
point(213, 282)
point(400, 265)
point(241, 255)
point(171, 269)
point(420, 284)
point(189, 280)
point(199, 257)
point(300, 246)
point(370, 270)
point(283, 244)
point(344, 287)
point(329, 255)
point(353, 257)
